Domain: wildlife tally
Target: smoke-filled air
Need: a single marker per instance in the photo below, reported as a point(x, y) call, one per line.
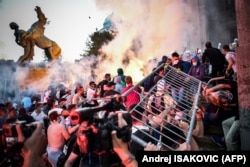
point(145, 31)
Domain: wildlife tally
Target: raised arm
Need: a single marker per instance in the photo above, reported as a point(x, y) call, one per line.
point(217, 87)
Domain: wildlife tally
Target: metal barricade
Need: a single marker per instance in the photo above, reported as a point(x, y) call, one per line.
point(178, 94)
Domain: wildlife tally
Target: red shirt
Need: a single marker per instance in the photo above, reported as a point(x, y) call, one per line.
point(133, 97)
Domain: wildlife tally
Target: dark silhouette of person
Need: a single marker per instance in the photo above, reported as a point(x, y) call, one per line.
point(215, 58)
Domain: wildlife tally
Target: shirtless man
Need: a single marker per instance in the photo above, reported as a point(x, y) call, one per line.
point(57, 136)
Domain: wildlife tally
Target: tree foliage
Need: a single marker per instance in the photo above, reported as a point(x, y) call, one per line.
point(95, 42)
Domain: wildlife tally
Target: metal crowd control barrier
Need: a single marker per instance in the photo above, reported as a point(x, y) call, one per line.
point(178, 103)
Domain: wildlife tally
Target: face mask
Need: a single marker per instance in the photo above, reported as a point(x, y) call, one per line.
point(194, 63)
point(176, 62)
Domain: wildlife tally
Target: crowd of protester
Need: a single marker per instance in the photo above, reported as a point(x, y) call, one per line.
point(36, 132)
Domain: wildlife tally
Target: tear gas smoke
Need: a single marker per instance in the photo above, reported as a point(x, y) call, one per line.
point(146, 30)
point(150, 29)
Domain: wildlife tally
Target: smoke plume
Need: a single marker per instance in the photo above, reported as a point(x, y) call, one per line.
point(146, 30)
point(149, 29)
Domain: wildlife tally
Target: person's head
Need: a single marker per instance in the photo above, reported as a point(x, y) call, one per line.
point(107, 77)
point(62, 102)
point(80, 90)
point(195, 60)
point(175, 58)
point(12, 113)
point(224, 98)
point(120, 71)
point(71, 107)
point(74, 116)
point(225, 49)
point(208, 44)
point(22, 111)
point(160, 71)
point(84, 136)
point(111, 85)
point(92, 85)
point(51, 103)
point(9, 128)
point(164, 58)
point(38, 107)
point(54, 116)
point(128, 80)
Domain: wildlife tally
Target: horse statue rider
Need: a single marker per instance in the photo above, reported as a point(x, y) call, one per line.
point(35, 36)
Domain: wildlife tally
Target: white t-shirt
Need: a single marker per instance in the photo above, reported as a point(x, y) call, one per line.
point(90, 95)
point(233, 57)
point(38, 116)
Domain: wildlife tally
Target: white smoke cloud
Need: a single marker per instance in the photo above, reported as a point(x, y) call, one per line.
point(147, 30)
point(157, 27)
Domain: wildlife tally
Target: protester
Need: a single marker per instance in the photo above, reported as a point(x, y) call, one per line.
point(118, 84)
point(57, 136)
point(177, 90)
point(91, 95)
point(121, 74)
point(102, 86)
point(197, 69)
point(38, 114)
point(132, 97)
point(26, 102)
point(231, 69)
point(23, 116)
point(78, 98)
point(145, 118)
point(110, 90)
point(215, 58)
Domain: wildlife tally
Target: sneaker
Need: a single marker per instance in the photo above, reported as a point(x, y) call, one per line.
point(218, 140)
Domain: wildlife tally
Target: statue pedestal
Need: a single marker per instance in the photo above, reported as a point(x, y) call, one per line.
point(34, 77)
point(36, 73)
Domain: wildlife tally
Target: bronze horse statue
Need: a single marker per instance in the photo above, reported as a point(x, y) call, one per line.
point(35, 36)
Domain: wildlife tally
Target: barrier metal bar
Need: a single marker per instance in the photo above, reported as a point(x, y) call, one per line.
point(175, 79)
point(138, 140)
point(192, 122)
point(142, 81)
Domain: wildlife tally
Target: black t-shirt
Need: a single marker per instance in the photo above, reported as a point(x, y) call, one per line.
point(110, 93)
point(101, 86)
point(148, 83)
